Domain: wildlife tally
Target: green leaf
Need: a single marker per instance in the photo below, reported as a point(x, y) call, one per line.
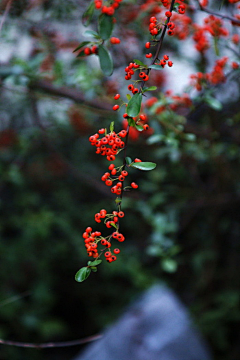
point(128, 160)
point(156, 67)
point(128, 96)
point(144, 165)
point(92, 33)
point(139, 127)
point(151, 88)
point(169, 265)
point(82, 274)
point(87, 15)
point(105, 26)
point(213, 103)
point(94, 262)
point(134, 105)
point(94, 269)
point(111, 126)
point(105, 60)
point(82, 44)
point(114, 225)
point(140, 63)
point(131, 122)
point(81, 54)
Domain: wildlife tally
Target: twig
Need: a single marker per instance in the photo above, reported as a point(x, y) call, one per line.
point(51, 344)
point(204, 9)
point(5, 14)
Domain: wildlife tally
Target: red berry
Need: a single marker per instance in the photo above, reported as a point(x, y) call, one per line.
point(115, 107)
point(147, 45)
point(117, 96)
point(168, 13)
point(116, 251)
point(134, 185)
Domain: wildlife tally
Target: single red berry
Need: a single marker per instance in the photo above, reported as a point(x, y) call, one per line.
point(153, 19)
point(107, 254)
point(117, 96)
point(143, 117)
point(115, 107)
point(135, 91)
point(115, 234)
point(170, 63)
point(137, 160)
point(87, 51)
point(168, 14)
point(134, 185)
point(124, 173)
point(88, 229)
point(108, 182)
point(130, 87)
point(103, 242)
point(147, 45)
point(166, 57)
point(116, 251)
point(146, 127)
point(121, 214)
point(114, 258)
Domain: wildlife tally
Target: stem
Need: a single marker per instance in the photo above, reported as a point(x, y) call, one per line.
point(159, 46)
point(217, 14)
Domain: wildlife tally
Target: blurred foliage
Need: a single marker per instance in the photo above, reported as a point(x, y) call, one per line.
point(182, 227)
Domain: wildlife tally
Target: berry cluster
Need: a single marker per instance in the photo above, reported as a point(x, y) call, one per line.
point(109, 10)
point(110, 144)
point(93, 239)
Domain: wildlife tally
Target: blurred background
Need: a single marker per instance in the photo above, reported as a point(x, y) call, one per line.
point(182, 226)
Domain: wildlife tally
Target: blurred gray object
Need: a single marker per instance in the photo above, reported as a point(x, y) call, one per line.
point(156, 327)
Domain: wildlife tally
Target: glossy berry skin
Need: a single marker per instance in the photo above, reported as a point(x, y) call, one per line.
point(117, 96)
point(115, 107)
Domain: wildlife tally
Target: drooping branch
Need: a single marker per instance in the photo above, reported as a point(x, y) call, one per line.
point(51, 344)
point(223, 16)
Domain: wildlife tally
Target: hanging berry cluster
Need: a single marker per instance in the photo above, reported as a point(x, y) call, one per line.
point(110, 143)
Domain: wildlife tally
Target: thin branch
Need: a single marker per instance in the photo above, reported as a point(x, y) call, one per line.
point(75, 95)
point(204, 9)
point(51, 344)
point(5, 14)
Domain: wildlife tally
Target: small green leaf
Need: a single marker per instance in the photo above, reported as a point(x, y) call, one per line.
point(169, 265)
point(94, 269)
point(134, 105)
point(144, 165)
point(105, 60)
point(81, 54)
point(82, 44)
point(111, 127)
point(92, 33)
point(94, 263)
point(139, 127)
point(140, 63)
point(151, 88)
point(87, 15)
point(131, 122)
point(156, 67)
point(128, 96)
point(82, 274)
point(105, 26)
point(118, 201)
point(128, 160)
point(213, 103)
point(114, 225)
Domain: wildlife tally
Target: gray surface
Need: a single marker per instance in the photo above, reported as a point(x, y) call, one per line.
point(157, 327)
